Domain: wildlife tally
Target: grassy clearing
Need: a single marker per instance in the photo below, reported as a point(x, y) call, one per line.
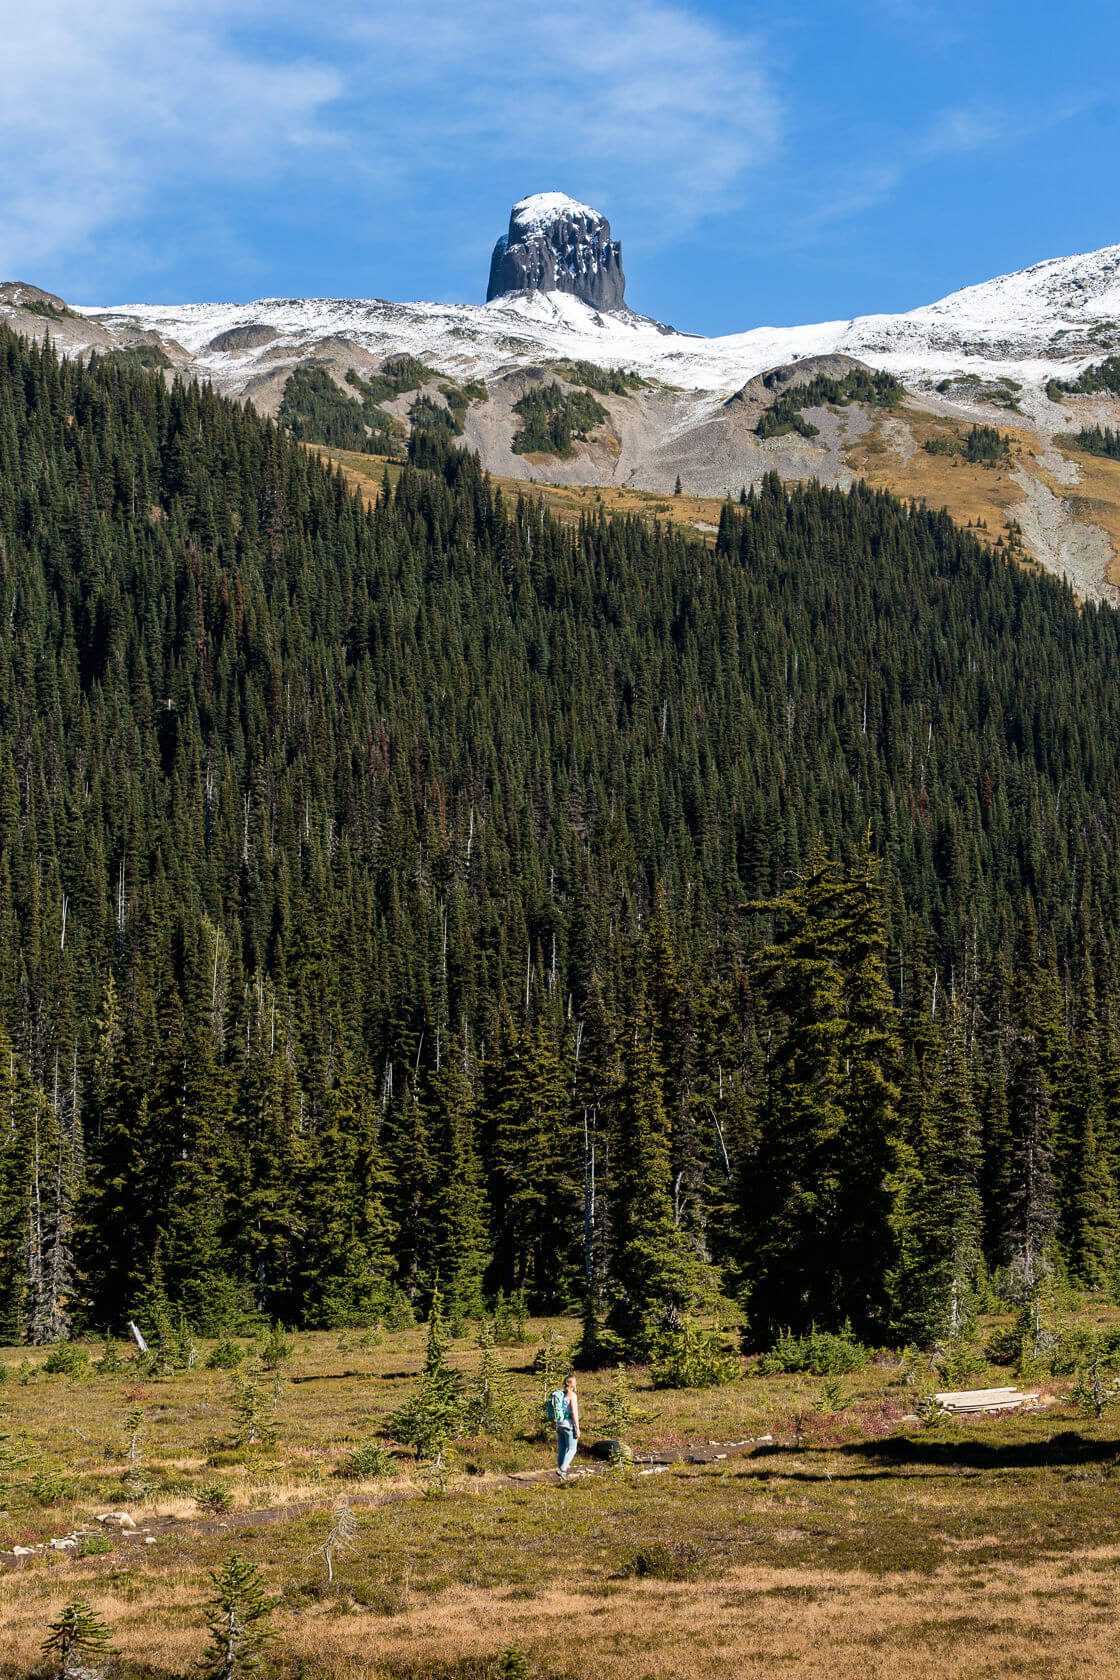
point(969, 493)
point(858, 1539)
point(567, 501)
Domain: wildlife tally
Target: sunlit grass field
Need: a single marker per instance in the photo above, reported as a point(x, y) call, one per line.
point(858, 1541)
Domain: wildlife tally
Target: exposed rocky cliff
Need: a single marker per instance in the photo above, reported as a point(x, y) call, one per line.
point(555, 244)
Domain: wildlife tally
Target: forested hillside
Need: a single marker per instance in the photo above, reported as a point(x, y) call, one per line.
point(442, 892)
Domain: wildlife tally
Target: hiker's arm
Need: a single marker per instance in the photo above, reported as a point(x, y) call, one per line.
point(575, 1416)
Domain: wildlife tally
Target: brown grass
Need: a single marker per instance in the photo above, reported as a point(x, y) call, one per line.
point(857, 1544)
point(699, 514)
point(968, 493)
point(966, 1608)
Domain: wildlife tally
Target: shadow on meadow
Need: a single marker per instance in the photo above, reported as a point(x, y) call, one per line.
point(931, 1453)
point(898, 1457)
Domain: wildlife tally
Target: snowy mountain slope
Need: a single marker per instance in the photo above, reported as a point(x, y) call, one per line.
point(1042, 322)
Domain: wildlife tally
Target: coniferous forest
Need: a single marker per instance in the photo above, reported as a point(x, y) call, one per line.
point(439, 893)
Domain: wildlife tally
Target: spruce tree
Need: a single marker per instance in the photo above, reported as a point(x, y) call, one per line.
point(239, 1609)
point(77, 1636)
point(492, 1406)
point(433, 1414)
point(537, 1180)
point(938, 1210)
point(456, 1237)
point(817, 1190)
point(1029, 1224)
point(656, 1275)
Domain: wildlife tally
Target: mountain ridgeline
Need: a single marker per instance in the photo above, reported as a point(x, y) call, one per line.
point(365, 874)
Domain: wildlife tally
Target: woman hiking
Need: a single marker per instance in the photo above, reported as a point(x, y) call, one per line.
point(566, 1406)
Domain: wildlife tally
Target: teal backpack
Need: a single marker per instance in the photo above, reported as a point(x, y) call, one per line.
point(554, 1409)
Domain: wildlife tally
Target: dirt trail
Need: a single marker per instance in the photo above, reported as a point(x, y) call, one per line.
point(237, 1522)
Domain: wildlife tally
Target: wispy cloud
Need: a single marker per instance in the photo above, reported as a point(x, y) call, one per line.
point(106, 110)
point(938, 24)
point(105, 107)
point(954, 132)
point(651, 96)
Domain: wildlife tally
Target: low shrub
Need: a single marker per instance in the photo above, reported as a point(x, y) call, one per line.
point(226, 1356)
point(663, 1561)
point(371, 1459)
point(109, 1365)
point(276, 1349)
point(958, 1365)
point(693, 1359)
point(509, 1320)
point(214, 1497)
point(49, 1487)
point(399, 1314)
point(66, 1359)
point(822, 1353)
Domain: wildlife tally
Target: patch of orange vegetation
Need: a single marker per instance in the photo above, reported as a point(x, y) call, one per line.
point(751, 1622)
point(969, 493)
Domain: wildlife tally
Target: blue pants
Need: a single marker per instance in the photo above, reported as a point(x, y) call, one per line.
point(565, 1445)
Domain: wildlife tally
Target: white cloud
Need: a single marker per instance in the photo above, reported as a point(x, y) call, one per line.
point(104, 107)
point(643, 94)
point(107, 110)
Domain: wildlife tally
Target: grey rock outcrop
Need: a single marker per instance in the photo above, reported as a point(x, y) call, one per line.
point(556, 244)
point(252, 336)
point(766, 388)
point(19, 295)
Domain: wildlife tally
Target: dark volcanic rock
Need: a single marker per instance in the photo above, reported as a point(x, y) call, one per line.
point(555, 244)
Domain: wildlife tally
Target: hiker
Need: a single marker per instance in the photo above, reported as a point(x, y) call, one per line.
point(565, 1406)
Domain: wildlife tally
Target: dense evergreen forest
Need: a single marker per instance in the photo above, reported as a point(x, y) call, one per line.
point(441, 892)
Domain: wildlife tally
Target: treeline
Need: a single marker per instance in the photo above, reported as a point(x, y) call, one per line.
point(879, 390)
point(607, 381)
point(1102, 376)
point(984, 446)
point(1099, 440)
point(552, 418)
point(315, 409)
point(437, 892)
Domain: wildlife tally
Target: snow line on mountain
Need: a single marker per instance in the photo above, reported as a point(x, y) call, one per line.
point(1013, 326)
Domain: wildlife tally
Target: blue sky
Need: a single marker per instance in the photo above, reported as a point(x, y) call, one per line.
point(761, 164)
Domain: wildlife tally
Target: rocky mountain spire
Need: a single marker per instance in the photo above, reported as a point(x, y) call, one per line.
point(556, 244)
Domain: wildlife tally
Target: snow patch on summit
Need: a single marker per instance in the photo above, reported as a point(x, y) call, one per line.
point(539, 209)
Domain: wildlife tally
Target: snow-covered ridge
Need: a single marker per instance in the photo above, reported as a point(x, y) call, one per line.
point(1032, 325)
